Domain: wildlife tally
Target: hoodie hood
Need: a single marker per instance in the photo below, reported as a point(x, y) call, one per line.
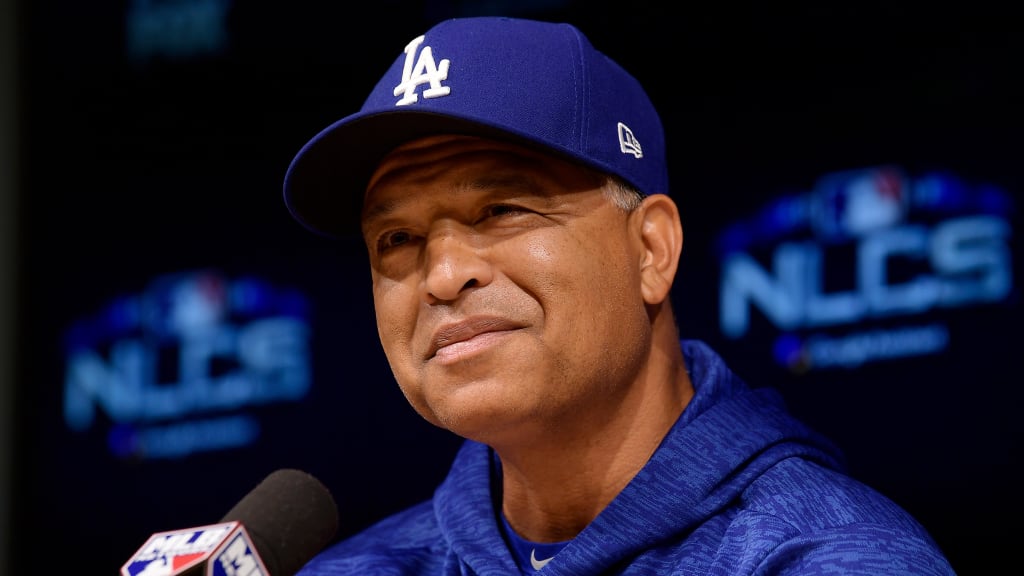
point(725, 439)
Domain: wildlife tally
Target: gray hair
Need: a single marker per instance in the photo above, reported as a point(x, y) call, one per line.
point(623, 194)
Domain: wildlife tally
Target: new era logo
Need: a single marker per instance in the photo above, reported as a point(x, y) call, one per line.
point(628, 143)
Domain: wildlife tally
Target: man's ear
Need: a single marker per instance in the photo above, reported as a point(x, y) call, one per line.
point(661, 232)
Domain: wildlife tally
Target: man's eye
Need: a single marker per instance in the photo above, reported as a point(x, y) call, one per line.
point(392, 239)
point(502, 210)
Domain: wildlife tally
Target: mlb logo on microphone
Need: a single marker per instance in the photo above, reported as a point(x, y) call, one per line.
point(215, 550)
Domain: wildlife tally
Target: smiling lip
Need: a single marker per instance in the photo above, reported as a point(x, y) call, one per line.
point(469, 335)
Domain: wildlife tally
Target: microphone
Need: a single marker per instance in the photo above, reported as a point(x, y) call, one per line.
point(272, 531)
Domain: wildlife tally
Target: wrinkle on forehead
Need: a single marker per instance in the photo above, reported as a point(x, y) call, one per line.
point(495, 165)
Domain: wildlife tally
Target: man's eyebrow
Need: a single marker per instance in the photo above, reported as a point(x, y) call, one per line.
point(379, 210)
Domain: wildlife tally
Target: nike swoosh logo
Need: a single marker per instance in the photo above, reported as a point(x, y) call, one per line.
point(538, 564)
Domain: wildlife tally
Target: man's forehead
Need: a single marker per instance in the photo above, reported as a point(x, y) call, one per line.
point(424, 156)
point(441, 145)
point(435, 140)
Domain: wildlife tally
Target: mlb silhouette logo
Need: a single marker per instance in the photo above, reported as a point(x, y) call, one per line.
point(851, 204)
point(187, 303)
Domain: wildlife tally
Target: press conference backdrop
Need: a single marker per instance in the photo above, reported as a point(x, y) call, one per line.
point(849, 191)
point(8, 255)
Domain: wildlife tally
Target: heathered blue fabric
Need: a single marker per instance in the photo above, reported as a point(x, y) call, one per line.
point(737, 487)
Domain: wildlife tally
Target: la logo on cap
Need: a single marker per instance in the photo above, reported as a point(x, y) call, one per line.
point(424, 71)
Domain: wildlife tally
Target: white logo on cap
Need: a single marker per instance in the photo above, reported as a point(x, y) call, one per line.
point(425, 71)
point(628, 143)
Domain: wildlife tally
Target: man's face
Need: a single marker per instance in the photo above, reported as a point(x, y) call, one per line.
point(506, 285)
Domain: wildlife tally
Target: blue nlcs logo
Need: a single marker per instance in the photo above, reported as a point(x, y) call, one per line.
point(171, 369)
point(863, 246)
point(225, 549)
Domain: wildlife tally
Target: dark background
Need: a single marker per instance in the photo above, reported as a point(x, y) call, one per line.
point(130, 169)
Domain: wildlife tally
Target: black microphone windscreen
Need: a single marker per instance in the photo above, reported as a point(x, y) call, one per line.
point(290, 516)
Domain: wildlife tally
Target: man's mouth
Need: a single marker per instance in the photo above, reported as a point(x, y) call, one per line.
point(458, 339)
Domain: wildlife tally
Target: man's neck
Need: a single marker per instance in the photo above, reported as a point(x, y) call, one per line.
point(554, 486)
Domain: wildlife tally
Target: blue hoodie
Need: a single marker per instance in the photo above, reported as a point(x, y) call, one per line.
point(738, 486)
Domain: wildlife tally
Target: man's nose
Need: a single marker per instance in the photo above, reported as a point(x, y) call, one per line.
point(455, 262)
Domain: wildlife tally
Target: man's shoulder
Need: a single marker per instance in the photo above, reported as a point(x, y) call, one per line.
point(803, 491)
point(823, 516)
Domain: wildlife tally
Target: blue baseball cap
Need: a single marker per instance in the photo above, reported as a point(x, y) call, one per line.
point(535, 83)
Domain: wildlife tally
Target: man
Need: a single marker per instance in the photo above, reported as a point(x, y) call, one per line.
point(511, 186)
